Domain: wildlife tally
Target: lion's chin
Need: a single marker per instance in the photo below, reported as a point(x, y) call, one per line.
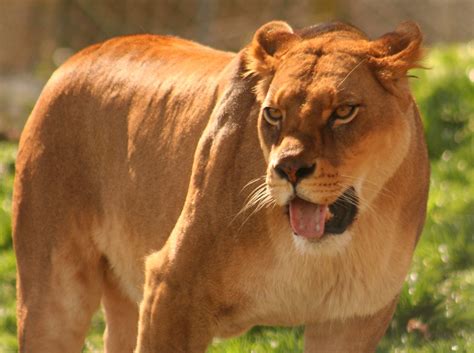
point(327, 246)
point(314, 221)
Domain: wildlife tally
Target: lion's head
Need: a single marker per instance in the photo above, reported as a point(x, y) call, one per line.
point(335, 120)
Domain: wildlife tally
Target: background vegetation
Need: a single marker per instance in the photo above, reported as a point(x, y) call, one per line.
point(436, 309)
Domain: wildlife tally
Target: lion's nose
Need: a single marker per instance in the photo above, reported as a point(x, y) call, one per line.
point(294, 170)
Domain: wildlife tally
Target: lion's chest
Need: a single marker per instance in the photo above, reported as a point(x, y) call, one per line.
point(302, 288)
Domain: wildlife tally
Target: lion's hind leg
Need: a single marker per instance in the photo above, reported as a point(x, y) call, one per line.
point(121, 315)
point(59, 273)
point(56, 301)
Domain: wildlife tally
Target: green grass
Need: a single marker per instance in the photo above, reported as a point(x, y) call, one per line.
point(7, 260)
point(439, 291)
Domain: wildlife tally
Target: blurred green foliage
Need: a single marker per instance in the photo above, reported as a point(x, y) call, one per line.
point(439, 291)
point(7, 259)
point(445, 95)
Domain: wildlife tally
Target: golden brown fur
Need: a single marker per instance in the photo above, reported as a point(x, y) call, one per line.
point(141, 154)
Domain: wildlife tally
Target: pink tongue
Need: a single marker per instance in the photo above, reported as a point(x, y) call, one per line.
point(307, 219)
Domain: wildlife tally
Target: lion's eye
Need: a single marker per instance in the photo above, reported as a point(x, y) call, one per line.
point(344, 114)
point(273, 116)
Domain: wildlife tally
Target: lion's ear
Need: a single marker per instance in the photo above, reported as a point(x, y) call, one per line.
point(396, 52)
point(269, 41)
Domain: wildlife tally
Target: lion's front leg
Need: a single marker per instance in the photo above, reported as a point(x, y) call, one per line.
point(175, 315)
point(354, 335)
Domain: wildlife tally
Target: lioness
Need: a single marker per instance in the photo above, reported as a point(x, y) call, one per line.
point(198, 193)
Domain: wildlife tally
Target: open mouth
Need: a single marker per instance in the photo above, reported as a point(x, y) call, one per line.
point(313, 221)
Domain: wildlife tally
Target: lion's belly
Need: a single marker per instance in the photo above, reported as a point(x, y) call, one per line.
point(137, 222)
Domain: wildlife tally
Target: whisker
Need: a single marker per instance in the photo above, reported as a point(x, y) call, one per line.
point(258, 199)
point(371, 211)
point(262, 205)
point(254, 200)
point(350, 72)
point(251, 199)
point(258, 190)
point(253, 182)
point(371, 185)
